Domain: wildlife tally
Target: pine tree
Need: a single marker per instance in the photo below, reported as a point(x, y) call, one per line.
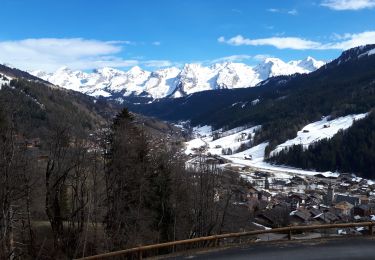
point(126, 167)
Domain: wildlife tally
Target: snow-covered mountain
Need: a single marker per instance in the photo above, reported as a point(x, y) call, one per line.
point(174, 82)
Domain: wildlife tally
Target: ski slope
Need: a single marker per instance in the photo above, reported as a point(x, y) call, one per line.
point(319, 130)
point(205, 143)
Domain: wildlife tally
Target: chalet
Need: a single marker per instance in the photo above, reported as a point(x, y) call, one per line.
point(362, 210)
point(275, 217)
point(261, 174)
point(315, 212)
point(345, 177)
point(350, 199)
point(343, 207)
point(299, 197)
point(324, 176)
point(299, 180)
point(280, 198)
point(214, 160)
point(300, 216)
point(282, 206)
point(264, 195)
point(313, 200)
point(266, 217)
point(280, 182)
point(326, 217)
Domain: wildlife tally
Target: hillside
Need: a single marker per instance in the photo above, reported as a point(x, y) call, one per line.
point(282, 105)
point(36, 107)
point(351, 150)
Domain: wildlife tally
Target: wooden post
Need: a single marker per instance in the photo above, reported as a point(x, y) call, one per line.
point(370, 229)
point(140, 254)
point(11, 234)
point(290, 234)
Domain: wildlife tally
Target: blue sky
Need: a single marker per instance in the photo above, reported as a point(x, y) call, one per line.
point(84, 35)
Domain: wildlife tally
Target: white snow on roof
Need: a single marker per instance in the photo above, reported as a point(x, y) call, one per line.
point(259, 225)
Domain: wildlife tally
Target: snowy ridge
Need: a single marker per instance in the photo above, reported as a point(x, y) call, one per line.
point(254, 156)
point(5, 80)
point(174, 82)
point(319, 130)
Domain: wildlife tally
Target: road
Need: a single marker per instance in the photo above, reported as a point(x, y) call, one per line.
point(344, 248)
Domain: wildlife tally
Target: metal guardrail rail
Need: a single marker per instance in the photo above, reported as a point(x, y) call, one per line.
point(139, 251)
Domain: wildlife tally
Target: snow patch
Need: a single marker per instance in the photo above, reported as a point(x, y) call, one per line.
point(254, 157)
point(319, 130)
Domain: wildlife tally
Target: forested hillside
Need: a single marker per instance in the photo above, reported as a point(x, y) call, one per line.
point(352, 150)
point(282, 105)
point(36, 108)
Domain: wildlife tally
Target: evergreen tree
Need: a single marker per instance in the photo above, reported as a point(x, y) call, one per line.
point(126, 167)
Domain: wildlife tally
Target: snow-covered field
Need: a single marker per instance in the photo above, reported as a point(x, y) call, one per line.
point(233, 139)
point(319, 130)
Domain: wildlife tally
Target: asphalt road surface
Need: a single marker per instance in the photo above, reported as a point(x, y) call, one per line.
point(343, 248)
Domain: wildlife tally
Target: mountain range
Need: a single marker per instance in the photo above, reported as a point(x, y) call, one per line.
point(281, 104)
point(174, 82)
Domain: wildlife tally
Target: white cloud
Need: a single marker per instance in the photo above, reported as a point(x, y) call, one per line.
point(261, 57)
point(339, 37)
point(283, 11)
point(238, 11)
point(269, 27)
point(273, 10)
point(351, 40)
point(157, 63)
point(341, 42)
point(340, 5)
point(232, 58)
point(221, 39)
point(293, 12)
point(278, 42)
point(156, 43)
point(51, 53)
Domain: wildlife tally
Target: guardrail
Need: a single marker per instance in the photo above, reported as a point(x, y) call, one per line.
point(214, 240)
